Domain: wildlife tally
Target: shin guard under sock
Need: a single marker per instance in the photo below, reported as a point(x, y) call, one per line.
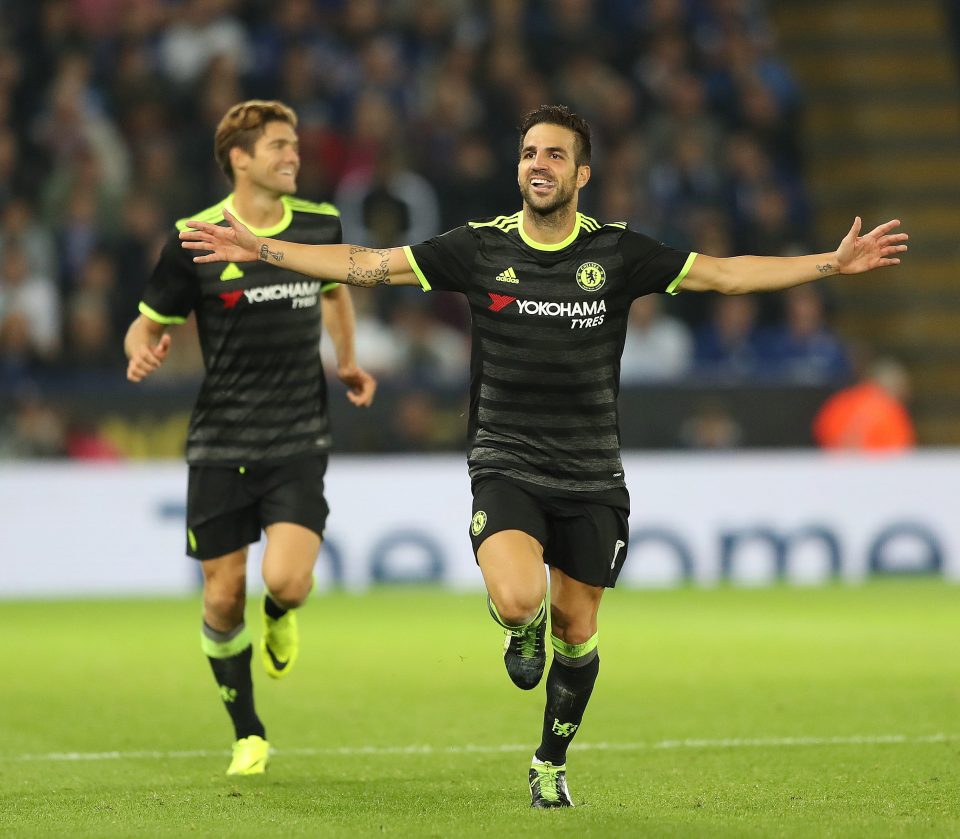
point(569, 685)
point(229, 654)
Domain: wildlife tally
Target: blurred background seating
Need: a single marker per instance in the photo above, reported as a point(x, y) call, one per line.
point(725, 126)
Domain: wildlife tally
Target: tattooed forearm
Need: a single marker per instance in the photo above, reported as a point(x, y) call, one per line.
point(825, 268)
point(266, 255)
point(365, 275)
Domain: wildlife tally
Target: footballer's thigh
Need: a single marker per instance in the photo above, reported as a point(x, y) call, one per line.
point(511, 562)
point(508, 530)
point(288, 560)
point(573, 608)
point(293, 511)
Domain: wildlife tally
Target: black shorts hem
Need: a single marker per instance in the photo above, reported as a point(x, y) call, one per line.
point(584, 536)
point(228, 507)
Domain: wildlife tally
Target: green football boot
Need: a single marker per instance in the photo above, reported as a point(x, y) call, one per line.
point(279, 644)
point(548, 786)
point(250, 756)
point(524, 651)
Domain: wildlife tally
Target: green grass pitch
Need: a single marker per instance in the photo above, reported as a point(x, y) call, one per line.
point(779, 712)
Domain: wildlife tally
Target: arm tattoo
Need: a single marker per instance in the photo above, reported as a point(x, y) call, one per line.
point(266, 254)
point(358, 275)
point(826, 267)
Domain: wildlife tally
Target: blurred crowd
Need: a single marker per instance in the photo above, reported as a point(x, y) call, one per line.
point(408, 112)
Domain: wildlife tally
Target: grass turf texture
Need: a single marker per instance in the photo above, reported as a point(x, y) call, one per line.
point(688, 733)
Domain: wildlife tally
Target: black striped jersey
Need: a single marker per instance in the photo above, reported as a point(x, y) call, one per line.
point(264, 396)
point(548, 328)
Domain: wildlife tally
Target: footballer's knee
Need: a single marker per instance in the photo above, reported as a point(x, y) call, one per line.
point(572, 628)
point(223, 605)
point(517, 608)
point(289, 590)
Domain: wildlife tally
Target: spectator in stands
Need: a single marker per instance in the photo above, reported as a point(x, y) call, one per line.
point(19, 223)
point(419, 425)
point(18, 361)
point(804, 349)
point(450, 113)
point(730, 345)
point(12, 182)
point(35, 428)
point(474, 185)
point(711, 426)
point(685, 113)
point(373, 133)
point(90, 342)
point(79, 234)
point(158, 175)
point(201, 31)
point(293, 28)
point(430, 352)
point(381, 346)
point(657, 348)
point(77, 135)
point(871, 415)
point(29, 307)
point(750, 174)
point(770, 228)
point(389, 205)
point(685, 179)
point(135, 251)
point(669, 54)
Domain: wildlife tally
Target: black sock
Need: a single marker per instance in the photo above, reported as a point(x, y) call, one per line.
point(229, 654)
point(568, 692)
point(272, 608)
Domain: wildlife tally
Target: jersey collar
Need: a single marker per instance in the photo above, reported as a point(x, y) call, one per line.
point(279, 227)
point(540, 246)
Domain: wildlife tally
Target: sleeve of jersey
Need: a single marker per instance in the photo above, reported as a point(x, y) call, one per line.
point(652, 267)
point(444, 262)
point(172, 289)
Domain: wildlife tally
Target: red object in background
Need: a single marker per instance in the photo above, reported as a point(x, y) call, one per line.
point(864, 417)
point(89, 445)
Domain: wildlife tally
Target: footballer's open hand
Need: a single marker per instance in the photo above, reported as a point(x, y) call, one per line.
point(877, 249)
point(234, 243)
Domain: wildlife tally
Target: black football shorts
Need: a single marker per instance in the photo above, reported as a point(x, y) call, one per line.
point(585, 534)
point(227, 507)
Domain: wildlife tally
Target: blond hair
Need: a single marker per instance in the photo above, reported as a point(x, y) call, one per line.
point(243, 125)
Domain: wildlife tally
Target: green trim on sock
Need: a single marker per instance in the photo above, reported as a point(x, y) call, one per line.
point(536, 620)
point(224, 649)
point(574, 650)
point(546, 765)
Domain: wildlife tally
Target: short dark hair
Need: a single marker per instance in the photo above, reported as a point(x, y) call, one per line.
point(561, 115)
point(243, 125)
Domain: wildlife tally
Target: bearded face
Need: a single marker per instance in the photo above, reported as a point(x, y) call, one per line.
point(548, 174)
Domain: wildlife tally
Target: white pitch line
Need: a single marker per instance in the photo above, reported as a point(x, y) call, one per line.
point(349, 751)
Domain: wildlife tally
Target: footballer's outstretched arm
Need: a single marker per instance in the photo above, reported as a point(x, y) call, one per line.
point(351, 264)
point(856, 254)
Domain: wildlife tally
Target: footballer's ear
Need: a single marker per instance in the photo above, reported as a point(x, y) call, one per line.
point(238, 158)
point(583, 175)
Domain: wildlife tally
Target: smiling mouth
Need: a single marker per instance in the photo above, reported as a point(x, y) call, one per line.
point(541, 184)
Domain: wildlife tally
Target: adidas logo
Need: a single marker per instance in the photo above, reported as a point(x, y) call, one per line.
point(508, 276)
point(231, 272)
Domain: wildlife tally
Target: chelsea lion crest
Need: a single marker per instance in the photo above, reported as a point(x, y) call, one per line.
point(590, 276)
